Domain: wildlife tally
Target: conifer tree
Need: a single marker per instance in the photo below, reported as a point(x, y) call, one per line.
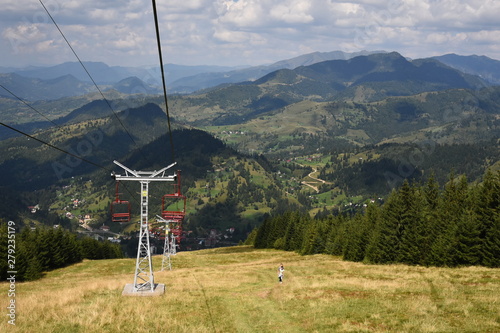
point(309, 239)
point(32, 269)
point(279, 228)
point(487, 208)
point(294, 233)
point(432, 224)
point(431, 192)
point(324, 228)
point(414, 236)
point(336, 237)
point(59, 252)
point(262, 234)
point(73, 248)
point(3, 250)
point(450, 210)
point(384, 243)
point(468, 241)
point(251, 237)
point(491, 245)
point(353, 250)
point(43, 240)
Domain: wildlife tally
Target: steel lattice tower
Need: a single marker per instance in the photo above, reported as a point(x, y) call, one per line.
point(144, 278)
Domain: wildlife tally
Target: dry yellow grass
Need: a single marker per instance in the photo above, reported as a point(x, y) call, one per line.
point(236, 290)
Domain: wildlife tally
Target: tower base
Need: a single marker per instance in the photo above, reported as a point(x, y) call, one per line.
point(159, 289)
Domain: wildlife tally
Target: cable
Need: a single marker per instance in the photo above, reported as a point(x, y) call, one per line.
point(32, 108)
point(66, 152)
point(130, 193)
point(91, 78)
point(105, 99)
point(57, 148)
point(158, 40)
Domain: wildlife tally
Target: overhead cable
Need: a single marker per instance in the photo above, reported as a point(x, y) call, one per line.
point(158, 40)
point(65, 152)
point(32, 108)
point(91, 78)
point(54, 147)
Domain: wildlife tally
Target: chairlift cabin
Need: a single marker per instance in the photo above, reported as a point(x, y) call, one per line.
point(173, 208)
point(120, 209)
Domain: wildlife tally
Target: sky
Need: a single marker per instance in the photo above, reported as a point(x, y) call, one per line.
point(241, 32)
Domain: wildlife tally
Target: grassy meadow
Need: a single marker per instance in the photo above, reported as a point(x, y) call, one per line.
point(237, 290)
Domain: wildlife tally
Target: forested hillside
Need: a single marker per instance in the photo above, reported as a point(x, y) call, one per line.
point(321, 140)
point(418, 224)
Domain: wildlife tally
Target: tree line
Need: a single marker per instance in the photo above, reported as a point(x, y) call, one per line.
point(45, 249)
point(418, 224)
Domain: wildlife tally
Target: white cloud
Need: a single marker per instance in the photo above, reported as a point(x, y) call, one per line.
point(232, 32)
point(243, 13)
point(230, 36)
point(294, 11)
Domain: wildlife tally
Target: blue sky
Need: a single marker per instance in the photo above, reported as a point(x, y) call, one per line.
point(242, 32)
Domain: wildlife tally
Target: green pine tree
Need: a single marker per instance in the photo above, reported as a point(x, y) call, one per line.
point(384, 242)
point(336, 238)
point(468, 241)
point(4, 250)
point(487, 209)
point(414, 236)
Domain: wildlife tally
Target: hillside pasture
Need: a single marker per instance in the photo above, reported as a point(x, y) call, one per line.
point(236, 290)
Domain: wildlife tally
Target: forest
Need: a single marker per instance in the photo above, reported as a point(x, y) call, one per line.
point(44, 249)
point(425, 224)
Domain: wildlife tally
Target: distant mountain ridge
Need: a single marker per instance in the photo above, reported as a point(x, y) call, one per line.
point(188, 79)
point(360, 79)
point(179, 78)
point(33, 89)
point(37, 89)
point(207, 80)
point(486, 68)
point(106, 75)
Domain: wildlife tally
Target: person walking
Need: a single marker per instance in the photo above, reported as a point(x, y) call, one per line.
point(281, 272)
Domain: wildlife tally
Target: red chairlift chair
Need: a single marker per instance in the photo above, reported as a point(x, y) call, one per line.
point(120, 209)
point(177, 214)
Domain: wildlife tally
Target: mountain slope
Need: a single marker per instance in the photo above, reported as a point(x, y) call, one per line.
point(133, 85)
point(32, 89)
point(388, 74)
point(104, 74)
point(206, 80)
point(486, 68)
point(212, 172)
point(101, 73)
point(99, 140)
point(37, 89)
point(360, 79)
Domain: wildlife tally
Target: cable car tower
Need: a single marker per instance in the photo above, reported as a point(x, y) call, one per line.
point(144, 278)
point(173, 211)
point(169, 245)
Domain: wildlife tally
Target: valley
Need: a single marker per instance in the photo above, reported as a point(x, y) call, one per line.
point(324, 138)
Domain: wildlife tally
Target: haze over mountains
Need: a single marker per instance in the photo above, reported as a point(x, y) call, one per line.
point(70, 79)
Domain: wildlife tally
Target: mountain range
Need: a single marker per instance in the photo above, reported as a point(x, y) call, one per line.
point(71, 79)
point(482, 66)
point(349, 128)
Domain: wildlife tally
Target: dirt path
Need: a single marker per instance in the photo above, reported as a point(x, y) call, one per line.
point(313, 184)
